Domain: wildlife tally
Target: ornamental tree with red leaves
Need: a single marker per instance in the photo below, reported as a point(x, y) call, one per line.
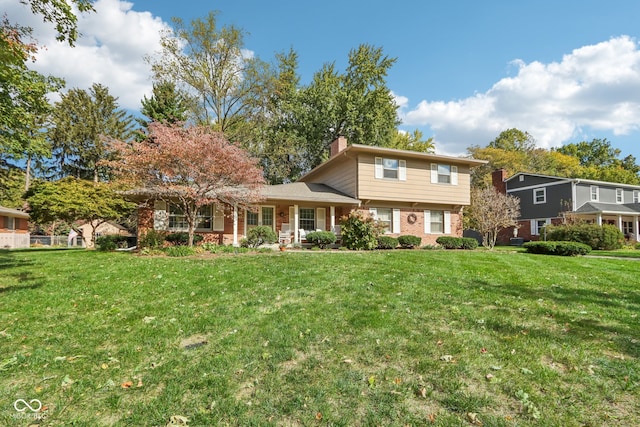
point(189, 167)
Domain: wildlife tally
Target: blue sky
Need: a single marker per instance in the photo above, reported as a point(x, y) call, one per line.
point(565, 71)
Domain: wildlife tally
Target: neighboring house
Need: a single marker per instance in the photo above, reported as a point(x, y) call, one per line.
point(409, 192)
point(14, 228)
point(547, 199)
point(103, 229)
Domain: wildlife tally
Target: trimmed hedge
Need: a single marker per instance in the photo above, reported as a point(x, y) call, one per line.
point(182, 238)
point(409, 242)
point(557, 248)
point(387, 242)
point(321, 239)
point(606, 237)
point(449, 242)
point(260, 235)
point(111, 242)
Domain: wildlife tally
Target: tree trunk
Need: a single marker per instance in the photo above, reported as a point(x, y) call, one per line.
point(27, 177)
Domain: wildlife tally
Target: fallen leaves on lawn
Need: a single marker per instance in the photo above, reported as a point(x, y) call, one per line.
point(178, 420)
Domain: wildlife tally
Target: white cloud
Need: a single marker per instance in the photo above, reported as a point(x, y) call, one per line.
point(594, 87)
point(110, 51)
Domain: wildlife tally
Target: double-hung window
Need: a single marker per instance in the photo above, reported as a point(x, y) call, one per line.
point(307, 219)
point(387, 217)
point(392, 169)
point(636, 196)
point(437, 222)
point(444, 174)
point(595, 193)
point(537, 225)
point(178, 220)
point(539, 196)
point(619, 195)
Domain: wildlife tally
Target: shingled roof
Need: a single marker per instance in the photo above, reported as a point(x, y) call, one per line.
point(307, 192)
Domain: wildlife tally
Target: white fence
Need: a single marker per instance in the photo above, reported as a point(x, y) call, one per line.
point(13, 240)
point(55, 241)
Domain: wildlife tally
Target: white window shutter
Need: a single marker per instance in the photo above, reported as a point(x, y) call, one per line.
point(218, 217)
point(454, 175)
point(427, 222)
point(374, 213)
point(160, 215)
point(434, 173)
point(447, 222)
point(396, 221)
point(534, 228)
point(321, 219)
point(379, 172)
point(402, 170)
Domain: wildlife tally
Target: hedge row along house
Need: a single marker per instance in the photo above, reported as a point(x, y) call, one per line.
point(412, 193)
point(14, 229)
point(551, 199)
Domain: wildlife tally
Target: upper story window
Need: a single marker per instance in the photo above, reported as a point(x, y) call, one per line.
point(595, 193)
point(10, 223)
point(619, 195)
point(636, 196)
point(394, 169)
point(539, 195)
point(444, 174)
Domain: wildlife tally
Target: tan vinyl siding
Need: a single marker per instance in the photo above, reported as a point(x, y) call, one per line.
point(417, 188)
point(342, 176)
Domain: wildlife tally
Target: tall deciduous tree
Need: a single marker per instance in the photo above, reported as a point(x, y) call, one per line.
point(190, 167)
point(490, 212)
point(357, 104)
point(514, 151)
point(210, 63)
point(73, 200)
point(81, 121)
point(601, 161)
point(61, 14)
point(413, 141)
point(24, 108)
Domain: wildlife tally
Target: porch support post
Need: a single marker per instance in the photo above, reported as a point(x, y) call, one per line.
point(599, 219)
point(296, 233)
point(635, 228)
point(235, 225)
point(332, 214)
point(620, 223)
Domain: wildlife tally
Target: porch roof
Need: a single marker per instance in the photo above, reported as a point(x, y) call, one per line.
point(609, 208)
point(307, 192)
point(13, 212)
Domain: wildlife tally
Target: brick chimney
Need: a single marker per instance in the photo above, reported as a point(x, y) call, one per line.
point(338, 144)
point(498, 178)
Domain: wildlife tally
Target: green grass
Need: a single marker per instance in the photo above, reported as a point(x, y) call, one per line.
point(389, 338)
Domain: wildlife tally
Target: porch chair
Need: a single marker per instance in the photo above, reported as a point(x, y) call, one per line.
point(284, 236)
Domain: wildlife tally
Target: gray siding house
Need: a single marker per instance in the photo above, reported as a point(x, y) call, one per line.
point(544, 199)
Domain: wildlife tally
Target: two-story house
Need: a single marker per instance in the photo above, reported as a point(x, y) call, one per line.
point(14, 228)
point(413, 193)
point(547, 199)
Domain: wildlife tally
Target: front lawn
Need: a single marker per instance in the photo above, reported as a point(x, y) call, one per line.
point(445, 338)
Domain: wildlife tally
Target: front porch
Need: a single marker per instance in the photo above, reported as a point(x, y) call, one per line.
point(625, 217)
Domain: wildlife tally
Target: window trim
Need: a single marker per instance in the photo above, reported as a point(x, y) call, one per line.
point(394, 221)
point(620, 192)
point(435, 175)
point(544, 195)
point(636, 196)
point(446, 222)
point(379, 169)
point(535, 229)
point(596, 193)
point(260, 217)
